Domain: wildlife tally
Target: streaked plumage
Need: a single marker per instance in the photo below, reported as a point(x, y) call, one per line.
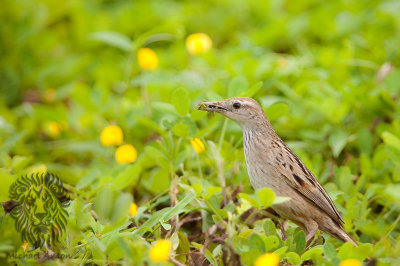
point(271, 163)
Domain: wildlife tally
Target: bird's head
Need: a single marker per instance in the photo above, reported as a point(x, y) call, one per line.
point(245, 111)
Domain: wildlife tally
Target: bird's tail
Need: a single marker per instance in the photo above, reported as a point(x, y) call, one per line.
point(342, 235)
point(336, 230)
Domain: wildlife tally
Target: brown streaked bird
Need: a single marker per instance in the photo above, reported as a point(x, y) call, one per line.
point(271, 163)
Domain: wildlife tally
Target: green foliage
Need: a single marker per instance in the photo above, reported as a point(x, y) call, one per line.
point(326, 73)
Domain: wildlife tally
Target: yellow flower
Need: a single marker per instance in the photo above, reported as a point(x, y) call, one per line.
point(350, 262)
point(133, 209)
point(268, 259)
point(198, 43)
point(197, 145)
point(52, 129)
point(159, 251)
point(111, 135)
point(25, 246)
point(147, 59)
point(126, 154)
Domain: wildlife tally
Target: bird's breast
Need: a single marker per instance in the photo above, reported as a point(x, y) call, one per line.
point(260, 168)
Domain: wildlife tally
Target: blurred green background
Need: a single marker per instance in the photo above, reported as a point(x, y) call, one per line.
point(326, 72)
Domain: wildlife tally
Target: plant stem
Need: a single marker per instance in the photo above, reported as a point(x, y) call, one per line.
point(199, 166)
point(221, 138)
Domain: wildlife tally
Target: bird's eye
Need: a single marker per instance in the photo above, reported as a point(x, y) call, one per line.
point(236, 105)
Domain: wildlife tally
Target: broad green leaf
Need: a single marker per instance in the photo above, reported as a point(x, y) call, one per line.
point(6, 181)
point(249, 257)
point(181, 100)
point(113, 38)
point(330, 253)
point(237, 86)
point(157, 155)
point(128, 176)
point(256, 243)
point(9, 143)
point(251, 200)
point(337, 141)
point(281, 251)
point(269, 228)
point(183, 248)
point(121, 207)
point(265, 196)
point(312, 254)
point(271, 242)
point(125, 248)
point(211, 191)
point(278, 200)
point(365, 141)
point(253, 90)
point(104, 203)
point(150, 124)
point(392, 190)
point(300, 240)
point(277, 110)
point(181, 130)
point(391, 140)
point(292, 258)
point(197, 188)
point(349, 251)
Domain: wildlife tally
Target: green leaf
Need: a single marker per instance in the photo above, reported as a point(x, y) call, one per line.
point(6, 181)
point(365, 141)
point(152, 221)
point(9, 143)
point(181, 130)
point(249, 257)
point(128, 176)
point(181, 100)
point(165, 225)
point(121, 207)
point(278, 200)
point(157, 155)
point(391, 140)
point(265, 196)
point(104, 203)
point(237, 86)
point(277, 110)
point(330, 253)
point(312, 254)
point(211, 191)
point(337, 141)
point(179, 207)
point(271, 242)
point(392, 190)
point(269, 228)
point(150, 124)
point(256, 243)
point(292, 258)
point(183, 248)
point(349, 251)
point(253, 90)
point(251, 200)
point(300, 240)
point(281, 251)
point(114, 39)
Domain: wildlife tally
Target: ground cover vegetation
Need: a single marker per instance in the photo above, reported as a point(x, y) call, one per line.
point(103, 94)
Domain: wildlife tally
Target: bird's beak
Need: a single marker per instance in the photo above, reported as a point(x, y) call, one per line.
point(212, 106)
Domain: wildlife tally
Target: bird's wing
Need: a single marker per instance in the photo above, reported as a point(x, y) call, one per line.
point(297, 175)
